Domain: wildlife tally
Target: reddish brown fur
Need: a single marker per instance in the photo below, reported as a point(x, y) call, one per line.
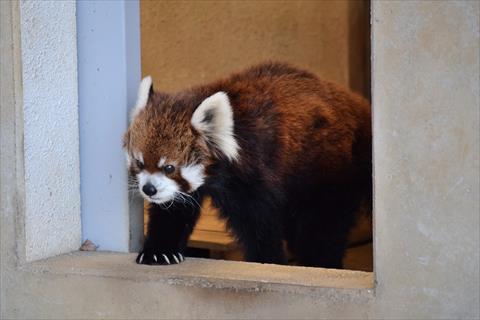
point(292, 128)
point(317, 120)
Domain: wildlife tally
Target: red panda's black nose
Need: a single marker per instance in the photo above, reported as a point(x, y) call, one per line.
point(149, 189)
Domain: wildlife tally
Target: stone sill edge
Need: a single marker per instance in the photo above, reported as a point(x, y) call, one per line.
point(208, 273)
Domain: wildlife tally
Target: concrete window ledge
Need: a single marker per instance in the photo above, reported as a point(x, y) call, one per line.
point(207, 273)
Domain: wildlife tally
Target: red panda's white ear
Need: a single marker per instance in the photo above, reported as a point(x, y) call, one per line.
point(213, 118)
point(145, 91)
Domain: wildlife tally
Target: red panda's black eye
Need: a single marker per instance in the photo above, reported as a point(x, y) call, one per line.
point(139, 164)
point(168, 169)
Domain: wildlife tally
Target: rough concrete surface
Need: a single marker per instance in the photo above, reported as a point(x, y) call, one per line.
point(51, 147)
point(206, 272)
point(426, 150)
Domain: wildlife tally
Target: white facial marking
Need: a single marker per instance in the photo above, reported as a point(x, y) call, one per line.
point(142, 96)
point(214, 118)
point(161, 162)
point(194, 174)
point(129, 159)
point(166, 187)
point(138, 156)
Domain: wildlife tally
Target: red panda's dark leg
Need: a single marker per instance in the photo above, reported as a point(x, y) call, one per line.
point(252, 209)
point(259, 231)
point(264, 247)
point(323, 247)
point(167, 233)
point(321, 229)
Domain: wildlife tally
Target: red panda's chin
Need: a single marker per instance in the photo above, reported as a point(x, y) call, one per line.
point(160, 200)
point(166, 201)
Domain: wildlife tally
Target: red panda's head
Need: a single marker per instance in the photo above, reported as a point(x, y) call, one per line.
point(169, 145)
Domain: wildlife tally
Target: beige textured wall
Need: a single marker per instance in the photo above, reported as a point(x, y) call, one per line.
point(427, 157)
point(427, 180)
point(191, 42)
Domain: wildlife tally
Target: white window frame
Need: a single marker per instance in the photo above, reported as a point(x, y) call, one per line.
point(108, 45)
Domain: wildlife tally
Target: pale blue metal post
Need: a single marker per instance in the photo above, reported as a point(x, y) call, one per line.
point(108, 40)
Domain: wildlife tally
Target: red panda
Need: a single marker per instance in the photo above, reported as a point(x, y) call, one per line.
point(284, 156)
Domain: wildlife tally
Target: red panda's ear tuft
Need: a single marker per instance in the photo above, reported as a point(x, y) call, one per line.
point(213, 118)
point(126, 145)
point(145, 93)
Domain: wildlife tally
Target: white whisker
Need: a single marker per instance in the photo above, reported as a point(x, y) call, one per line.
point(192, 200)
point(171, 203)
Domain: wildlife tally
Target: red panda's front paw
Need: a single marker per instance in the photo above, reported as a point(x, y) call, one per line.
point(150, 257)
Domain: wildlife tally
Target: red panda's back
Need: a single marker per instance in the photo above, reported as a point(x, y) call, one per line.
point(313, 123)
